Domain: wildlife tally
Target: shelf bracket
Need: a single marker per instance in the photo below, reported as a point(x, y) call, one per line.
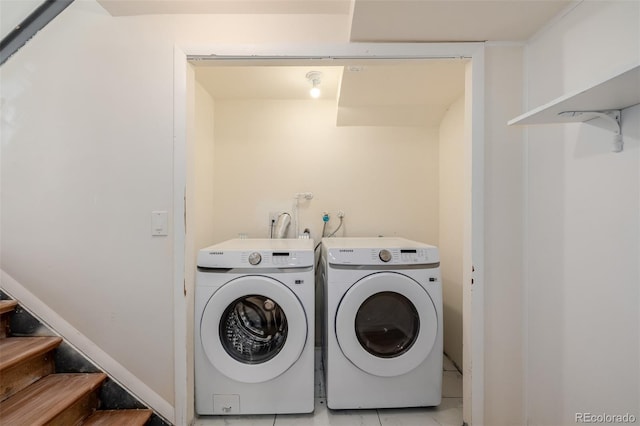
point(611, 116)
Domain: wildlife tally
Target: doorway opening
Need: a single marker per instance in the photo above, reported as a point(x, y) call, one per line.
point(378, 146)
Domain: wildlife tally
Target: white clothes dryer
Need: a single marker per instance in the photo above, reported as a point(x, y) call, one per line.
point(254, 343)
point(382, 331)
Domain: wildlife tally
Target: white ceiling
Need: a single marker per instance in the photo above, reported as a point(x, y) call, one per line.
point(355, 84)
point(451, 20)
point(371, 20)
point(152, 7)
point(377, 95)
point(384, 20)
point(405, 93)
point(266, 82)
point(398, 94)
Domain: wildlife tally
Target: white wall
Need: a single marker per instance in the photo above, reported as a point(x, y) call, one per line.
point(451, 225)
point(199, 202)
point(503, 238)
point(583, 227)
point(385, 179)
point(87, 154)
point(84, 162)
point(204, 167)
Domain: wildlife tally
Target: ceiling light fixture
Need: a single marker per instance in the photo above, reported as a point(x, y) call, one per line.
point(315, 78)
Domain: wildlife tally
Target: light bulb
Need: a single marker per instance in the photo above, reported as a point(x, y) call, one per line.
point(315, 78)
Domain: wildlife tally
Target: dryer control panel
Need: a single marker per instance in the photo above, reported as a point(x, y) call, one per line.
point(382, 256)
point(374, 251)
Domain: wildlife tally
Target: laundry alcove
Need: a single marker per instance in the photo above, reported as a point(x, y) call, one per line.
point(385, 144)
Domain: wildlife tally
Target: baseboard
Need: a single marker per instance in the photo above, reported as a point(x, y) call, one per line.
point(84, 345)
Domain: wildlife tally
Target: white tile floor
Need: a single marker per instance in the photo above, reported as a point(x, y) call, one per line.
point(448, 413)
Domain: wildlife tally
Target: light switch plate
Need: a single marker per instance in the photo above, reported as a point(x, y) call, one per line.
point(159, 223)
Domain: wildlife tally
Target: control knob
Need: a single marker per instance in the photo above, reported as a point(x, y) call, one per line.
point(384, 255)
point(255, 258)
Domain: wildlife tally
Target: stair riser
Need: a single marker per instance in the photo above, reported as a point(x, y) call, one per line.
point(4, 326)
point(118, 417)
point(74, 414)
point(61, 399)
point(33, 366)
point(7, 308)
point(22, 375)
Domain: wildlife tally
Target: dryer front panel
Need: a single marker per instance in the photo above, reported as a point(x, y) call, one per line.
point(386, 324)
point(253, 329)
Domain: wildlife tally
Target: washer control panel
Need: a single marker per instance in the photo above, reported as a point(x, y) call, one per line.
point(272, 259)
point(385, 255)
point(255, 253)
point(255, 259)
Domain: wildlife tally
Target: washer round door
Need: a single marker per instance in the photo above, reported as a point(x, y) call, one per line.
point(253, 329)
point(386, 324)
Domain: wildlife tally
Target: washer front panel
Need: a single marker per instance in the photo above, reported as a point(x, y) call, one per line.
point(253, 329)
point(221, 302)
point(417, 347)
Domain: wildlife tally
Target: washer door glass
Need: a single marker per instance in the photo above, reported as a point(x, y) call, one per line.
point(253, 329)
point(387, 324)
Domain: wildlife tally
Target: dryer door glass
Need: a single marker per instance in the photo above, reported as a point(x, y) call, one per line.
point(253, 329)
point(387, 324)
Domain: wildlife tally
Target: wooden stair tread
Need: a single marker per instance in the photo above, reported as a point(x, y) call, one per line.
point(118, 417)
point(43, 400)
point(14, 350)
point(7, 306)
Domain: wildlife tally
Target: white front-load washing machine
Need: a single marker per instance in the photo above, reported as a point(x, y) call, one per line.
point(382, 336)
point(254, 343)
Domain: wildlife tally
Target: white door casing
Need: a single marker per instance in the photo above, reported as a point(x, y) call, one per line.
point(473, 299)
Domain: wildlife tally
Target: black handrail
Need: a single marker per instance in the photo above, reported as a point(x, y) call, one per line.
point(33, 23)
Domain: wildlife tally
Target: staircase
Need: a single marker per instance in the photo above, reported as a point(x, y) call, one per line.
point(32, 393)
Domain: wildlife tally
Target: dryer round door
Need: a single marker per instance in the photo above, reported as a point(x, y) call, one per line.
point(386, 324)
point(253, 329)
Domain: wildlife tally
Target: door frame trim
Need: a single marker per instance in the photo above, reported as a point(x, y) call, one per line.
point(473, 256)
